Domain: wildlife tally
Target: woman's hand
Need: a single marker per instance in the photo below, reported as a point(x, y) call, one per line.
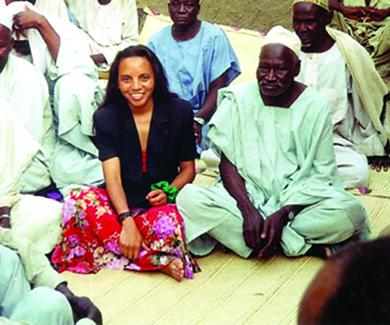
point(157, 198)
point(130, 240)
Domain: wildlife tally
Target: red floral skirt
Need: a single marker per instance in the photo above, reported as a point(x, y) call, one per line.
point(90, 236)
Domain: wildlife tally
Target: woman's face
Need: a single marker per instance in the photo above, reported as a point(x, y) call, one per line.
point(136, 82)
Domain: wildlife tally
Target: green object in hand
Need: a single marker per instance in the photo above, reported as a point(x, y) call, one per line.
point(170, 191)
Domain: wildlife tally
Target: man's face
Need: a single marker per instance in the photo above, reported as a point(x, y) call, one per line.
point(184, 12)
point(309, 23)
point(276, 71)
point(5, 45)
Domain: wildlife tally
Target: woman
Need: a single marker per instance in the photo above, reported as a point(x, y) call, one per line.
point(145, 139)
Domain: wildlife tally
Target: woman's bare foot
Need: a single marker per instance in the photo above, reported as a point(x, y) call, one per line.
point(175, 269)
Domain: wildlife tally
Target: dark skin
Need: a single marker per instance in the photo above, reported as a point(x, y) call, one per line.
point(186, 25)
point(360, 13)
point(5, 222)
point(31, 19)
point(277, 87)
point(309, 22)
point(6, 44)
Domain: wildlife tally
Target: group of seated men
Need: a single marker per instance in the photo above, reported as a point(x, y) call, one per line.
point(280, 169)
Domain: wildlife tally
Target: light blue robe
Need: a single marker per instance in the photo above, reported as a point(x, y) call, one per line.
point(191, 66)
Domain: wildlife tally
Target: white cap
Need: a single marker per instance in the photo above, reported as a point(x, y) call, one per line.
point(280, 35)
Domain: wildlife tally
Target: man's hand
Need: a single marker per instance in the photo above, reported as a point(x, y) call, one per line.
point(28, 19)
point(198, 133)
point(272, 232)
point(130, 240)
point(379, 162)
point(99, 59)
point(253, 223)
point(5, 222)
point(157, 198)
point(375, 14)
point(354, 13)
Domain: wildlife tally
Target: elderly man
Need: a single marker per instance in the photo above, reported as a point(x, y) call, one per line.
point(344, 73)
point(279, 183)
point(108, 26)
point(25, 88)
point(197, 58)
point(58, 52)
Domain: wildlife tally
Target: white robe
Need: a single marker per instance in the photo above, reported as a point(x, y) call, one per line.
point(35, 218)
point(76, 97)
point(108, 28)
point(354, 135)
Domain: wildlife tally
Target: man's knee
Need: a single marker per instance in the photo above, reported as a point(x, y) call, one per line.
point(186, 199)
point(8, 257)
point(50, 302)
point(74, 85)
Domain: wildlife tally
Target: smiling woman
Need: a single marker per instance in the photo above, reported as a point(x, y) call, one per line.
point(146, 143)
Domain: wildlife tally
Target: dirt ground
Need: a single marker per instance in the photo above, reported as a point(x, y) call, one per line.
point(252, 14)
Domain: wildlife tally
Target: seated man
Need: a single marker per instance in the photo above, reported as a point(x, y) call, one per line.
point(59, 53)
point(32, 217)
point(339, 68)
point(25, 88)
point(32, 292)
point(108, 26)
point(279, 183)
point(369, 24)
point(198, 60)
point(352, 287)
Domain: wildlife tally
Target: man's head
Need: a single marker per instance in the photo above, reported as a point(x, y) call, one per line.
point(309, 22)
point(353, 287)
point(6, 44)
point(184, 12)
point(279, 62)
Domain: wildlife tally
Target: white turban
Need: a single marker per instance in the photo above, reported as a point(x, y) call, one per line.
point(281, 35)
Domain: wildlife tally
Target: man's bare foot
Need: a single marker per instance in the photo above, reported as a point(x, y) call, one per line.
point(175, 269)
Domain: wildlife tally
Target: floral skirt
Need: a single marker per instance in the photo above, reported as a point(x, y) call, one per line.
point(90, 236)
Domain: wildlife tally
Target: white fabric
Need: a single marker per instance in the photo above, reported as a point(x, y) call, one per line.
point(34, 218)
point(26, 90)
point(352, 128)
point(55, 8)
point(281, 35)
point(109, 28)
point(17, 150)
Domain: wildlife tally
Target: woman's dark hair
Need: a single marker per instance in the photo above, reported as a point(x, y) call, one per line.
point(160, 92)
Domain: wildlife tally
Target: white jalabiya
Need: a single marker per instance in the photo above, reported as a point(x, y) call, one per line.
point(35, 218)
point(354, 135)
point(25, 88)
point(55, 8)
point(108, 28)
point(76, 97)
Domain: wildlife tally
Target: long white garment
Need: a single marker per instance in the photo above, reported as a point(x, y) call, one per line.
point(76, 97)
point(25, 88)
point(354, 135)
point(55, 8)
point(285, 157)
point(108, 28)
point(34, 218)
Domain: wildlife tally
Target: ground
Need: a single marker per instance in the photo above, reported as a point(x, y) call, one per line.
point(252, 14)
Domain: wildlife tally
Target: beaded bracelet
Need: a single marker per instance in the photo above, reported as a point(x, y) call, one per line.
point(170, 191)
